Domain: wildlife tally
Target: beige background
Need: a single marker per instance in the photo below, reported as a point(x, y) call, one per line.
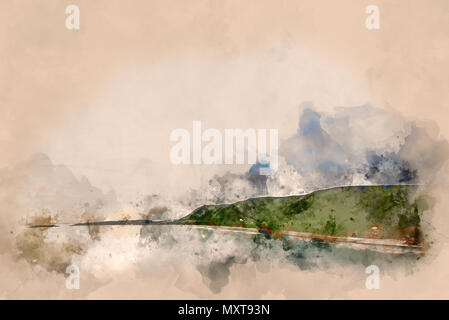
point(111, 92)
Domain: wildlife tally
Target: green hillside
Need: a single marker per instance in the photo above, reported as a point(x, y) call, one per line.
point(369, 211)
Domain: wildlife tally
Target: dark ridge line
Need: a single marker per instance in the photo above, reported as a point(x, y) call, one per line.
point(305, 194)
point(139, 222)
point(136, 222)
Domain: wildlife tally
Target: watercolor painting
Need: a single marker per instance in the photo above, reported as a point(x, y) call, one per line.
point(224, 150)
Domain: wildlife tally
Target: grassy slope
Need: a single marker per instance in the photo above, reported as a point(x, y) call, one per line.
point(342, 211)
